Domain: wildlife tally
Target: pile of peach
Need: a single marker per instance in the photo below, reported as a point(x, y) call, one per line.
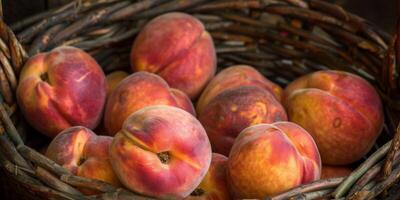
point(247, 137)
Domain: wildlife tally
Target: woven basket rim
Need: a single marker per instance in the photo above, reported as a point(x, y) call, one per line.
point(312, 34)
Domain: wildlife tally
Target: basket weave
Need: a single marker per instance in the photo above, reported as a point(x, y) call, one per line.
point(283, 39)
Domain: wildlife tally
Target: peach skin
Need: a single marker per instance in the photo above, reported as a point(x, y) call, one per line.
point(139, 90)
point(342, 111)
point(162, 152)
point(83, 153)
point(329, 171)
point(184, 55)
point(213, 186)
point(113, 79)
point(62, 88)
point(236, 109)
point(268, 159)
point(236, 76)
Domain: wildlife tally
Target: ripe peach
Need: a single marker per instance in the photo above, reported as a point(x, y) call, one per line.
point(178, 48)
point(232, 77)
point(83, 153)
point(213, 186)
point(162, 152)
point(329, 171)
point(62, 88)
point(268, 159)
point(340, 110)
point(235, 109)
point(139, 90)
point(113, 79)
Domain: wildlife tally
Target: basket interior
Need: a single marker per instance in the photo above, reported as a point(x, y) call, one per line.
point(283, 39)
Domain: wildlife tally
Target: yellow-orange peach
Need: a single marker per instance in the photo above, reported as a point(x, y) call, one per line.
point(268, 159)
point(178, 48)
point(342, 111)
point(213, 186)
point(235, 109)
point(162, 152)
point(113, 79)
point(62, 88)
point(83, 153)
point(329, 171)
point(139, 90)
point(236, 76)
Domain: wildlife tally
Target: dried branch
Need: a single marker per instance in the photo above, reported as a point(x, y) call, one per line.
point(342, 189)
point(82, 182)
point(394, 148)
point(41, 160)
point(311, 187)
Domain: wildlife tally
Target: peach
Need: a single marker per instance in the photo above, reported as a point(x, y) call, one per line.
point(235, 109)
point(340, 110)
point(236, 76)
point(178, 48)
point(162, 152)
point(62, 88)
point(268, 159)
point(213, 186)
point(329, 171)
point(139, 90)
point(83, 153)
point(113, 79)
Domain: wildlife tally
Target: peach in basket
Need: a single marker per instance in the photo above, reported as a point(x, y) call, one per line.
point(62, 88)
point(178, 48)
point(161, 151)
point(342, 111)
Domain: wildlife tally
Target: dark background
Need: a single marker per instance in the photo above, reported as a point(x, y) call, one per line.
point(382, 13)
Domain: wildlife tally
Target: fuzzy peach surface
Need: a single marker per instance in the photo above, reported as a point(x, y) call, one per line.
point(329, 171)
point(62, 88)
point(214, 185)
point(113, 79)
point(268, 159)
point(137, 91)
point(161, 151)
point(342, 112)
point(235, 109)
point(83, 153)
point(178, 48)
point(232, 77)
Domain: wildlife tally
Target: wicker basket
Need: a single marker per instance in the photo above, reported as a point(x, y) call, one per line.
point(283, 39)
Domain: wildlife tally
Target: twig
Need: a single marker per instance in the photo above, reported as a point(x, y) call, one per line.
point(53, 182)
point(103, 42)
point(367, 177)
point(238, 5)
point(41, 160)
point(122, 194)
point(91, 19)
point(342, 189)
point(10, 128)
point(387, 169)
point(40, 43)
point(11, 153)
point(29, 33)
point(385, 184)
point(133, 9)
point(32, 19)
point(311, 187)
point(312, 195)
point(88, 183)
point(175, 5)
